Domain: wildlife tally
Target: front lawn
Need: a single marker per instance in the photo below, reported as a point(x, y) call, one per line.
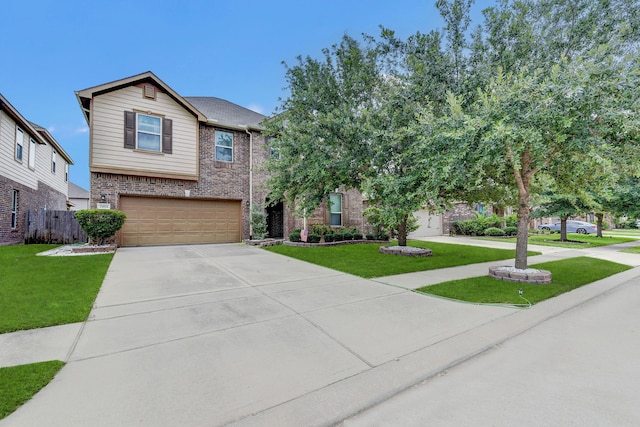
point(579, 241)
point(567, 274)
point(633, 250)
point(40, 291)
point(364, 260)
point(19, 383)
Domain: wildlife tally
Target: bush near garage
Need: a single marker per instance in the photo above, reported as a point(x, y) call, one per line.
point(100, 224)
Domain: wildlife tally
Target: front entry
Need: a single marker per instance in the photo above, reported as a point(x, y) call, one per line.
point(275, 221)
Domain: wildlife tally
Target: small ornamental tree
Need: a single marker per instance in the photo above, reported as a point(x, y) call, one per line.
point(100, 224)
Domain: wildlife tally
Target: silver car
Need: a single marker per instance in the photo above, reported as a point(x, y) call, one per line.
point(579, 227)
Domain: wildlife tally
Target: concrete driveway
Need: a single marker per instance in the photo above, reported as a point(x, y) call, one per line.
point(219, 334)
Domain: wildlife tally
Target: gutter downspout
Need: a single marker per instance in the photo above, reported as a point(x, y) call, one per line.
point(250, 179)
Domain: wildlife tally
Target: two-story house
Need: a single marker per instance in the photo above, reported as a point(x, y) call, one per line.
point(34, 172)
point(184, 169)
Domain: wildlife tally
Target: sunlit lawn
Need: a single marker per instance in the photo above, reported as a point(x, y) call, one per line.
point(38, 291)
point(578, 241)
point(567, 274)
point(364, 260)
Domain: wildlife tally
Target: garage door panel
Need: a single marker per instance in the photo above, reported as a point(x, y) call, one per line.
point(157, 221)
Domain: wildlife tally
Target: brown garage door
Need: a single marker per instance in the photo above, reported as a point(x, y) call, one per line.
point(154, 221)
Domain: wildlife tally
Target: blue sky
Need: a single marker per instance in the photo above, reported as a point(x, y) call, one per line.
point(228, 49)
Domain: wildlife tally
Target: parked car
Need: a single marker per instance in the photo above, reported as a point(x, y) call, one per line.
point(579, 227)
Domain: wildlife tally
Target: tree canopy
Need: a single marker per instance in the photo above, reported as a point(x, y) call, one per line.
point(541, 91)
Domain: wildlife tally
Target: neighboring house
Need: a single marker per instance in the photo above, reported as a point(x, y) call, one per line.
point(78, 197)
point(184, 169)
point(34, 172)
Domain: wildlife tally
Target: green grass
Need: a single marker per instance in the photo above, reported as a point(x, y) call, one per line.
point(623, 232)
point(364, 260)
point(19, 383)
point(566, 274)
point(40, 291)
point(634, 250)
point(586, 241)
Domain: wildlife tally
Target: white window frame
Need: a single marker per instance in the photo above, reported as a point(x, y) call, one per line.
point(19, 149)
point(32, 153)
point(147, 132)
point(223, 147)
point(14, 209)
point(66, 172)
point(335, 212)
point(53, 160)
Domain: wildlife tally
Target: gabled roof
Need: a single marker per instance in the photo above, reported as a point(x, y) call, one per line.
point(222, 112)
point(77, 192)
point(40, 134)
point(84, 96)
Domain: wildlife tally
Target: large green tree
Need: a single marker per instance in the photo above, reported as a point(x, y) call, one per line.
point(556, 86)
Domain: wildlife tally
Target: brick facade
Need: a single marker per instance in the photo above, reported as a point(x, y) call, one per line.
point(28, 198)
point(218, 180)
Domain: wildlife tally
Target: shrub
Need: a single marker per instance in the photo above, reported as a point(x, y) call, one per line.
point(295, 235)
point(258, 223)
point(370, 236)
point(330, 237)
point(100, 224)
point(313, 238)
point(511, 231)
point(494, 231)
point(357, 236)
point(382, 236)
point(511, 221)
point(347, 235)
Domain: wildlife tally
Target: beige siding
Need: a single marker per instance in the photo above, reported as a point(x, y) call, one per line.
point(43, 169)
point(9, 167)
point(107, 143)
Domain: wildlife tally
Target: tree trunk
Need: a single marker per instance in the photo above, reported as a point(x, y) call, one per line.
point(563, 229)
point(599, 217)
point(402, 231)
point(523, 231)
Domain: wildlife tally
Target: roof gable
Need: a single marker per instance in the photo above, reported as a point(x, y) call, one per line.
point(84, 96)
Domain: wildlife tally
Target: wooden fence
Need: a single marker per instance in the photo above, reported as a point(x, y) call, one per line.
point(44, 226)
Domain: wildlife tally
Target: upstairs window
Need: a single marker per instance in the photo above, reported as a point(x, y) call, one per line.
point(54, 154)
point(224, 146)
point(32, 153)
point(66, 172)
point(147, 132)
point(335, 209)
point(19, 142)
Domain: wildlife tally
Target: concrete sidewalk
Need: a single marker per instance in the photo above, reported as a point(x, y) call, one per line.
point(219, 334)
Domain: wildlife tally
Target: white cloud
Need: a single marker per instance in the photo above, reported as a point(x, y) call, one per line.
point(83, 129)
point(51, 129)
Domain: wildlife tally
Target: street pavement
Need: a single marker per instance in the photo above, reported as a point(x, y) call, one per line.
point(232, 334)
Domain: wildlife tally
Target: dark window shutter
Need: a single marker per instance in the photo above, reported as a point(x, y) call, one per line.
point(167, 138)
point(129, 129)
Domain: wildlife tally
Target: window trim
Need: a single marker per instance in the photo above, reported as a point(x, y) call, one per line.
point(332, 212)
point(215, 147)
point(53, 160)
point(19, 144)
point(14, 209)
point(32, 153)
point(66, 172)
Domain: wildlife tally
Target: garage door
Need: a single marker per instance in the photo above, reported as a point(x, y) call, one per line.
point(154, 221)
point(429, 224)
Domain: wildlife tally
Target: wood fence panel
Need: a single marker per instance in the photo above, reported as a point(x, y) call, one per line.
point(61, 227)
